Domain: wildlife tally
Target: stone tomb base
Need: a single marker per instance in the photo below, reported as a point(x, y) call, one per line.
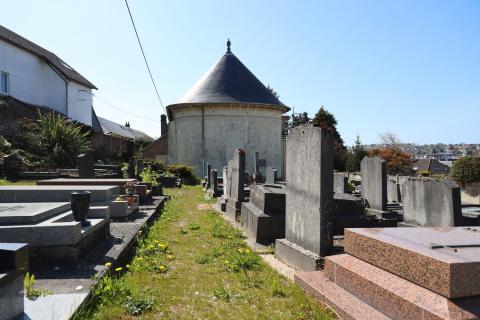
point(233, 208)
point(296, 256)
point(264, 228)
point(407, 273)
point(50, 230)
point(222, 203)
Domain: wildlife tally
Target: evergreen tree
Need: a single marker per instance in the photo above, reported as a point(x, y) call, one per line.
point(325, 119)
point(355, 155)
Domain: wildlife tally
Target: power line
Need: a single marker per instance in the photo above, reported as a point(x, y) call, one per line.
point(122, 110)
point(144, 57)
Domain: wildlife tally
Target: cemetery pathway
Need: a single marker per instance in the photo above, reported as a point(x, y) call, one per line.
point(192, 264)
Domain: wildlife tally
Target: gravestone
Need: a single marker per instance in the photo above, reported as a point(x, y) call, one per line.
point(237, 172)
point(257, 162)
point(429, 202)
point(222, 201)
point(85, 166)
point(374, 183)
point(308, 224)
point(13, 265)
point(402, 273)
point(393, 191)
point(213, 192)
point(140, 167)
point(224, 175)
point(11, 166)
point(131, 169)
point(271, 176)
point(264, 216)
point(209, 178)
point(340, 182)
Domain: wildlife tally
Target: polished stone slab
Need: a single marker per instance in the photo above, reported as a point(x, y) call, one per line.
point(54, 193)
point(394, 296)
point(444, 260)
point(30, 213)
point(346, 305)
point(87, 182)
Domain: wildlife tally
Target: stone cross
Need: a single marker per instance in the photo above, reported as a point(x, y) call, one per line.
point(271, 176)
point(11, 166)
point(308, 222)
point(85, 166)
point(374, 182)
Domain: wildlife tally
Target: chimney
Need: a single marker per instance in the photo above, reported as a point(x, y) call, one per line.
point(163, 125)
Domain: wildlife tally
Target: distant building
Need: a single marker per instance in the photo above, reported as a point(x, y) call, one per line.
point(431, 165)
point(227, 108)
point(37, 76)
point(113, 137)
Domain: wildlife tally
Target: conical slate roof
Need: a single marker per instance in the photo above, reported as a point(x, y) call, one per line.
point(229, 81)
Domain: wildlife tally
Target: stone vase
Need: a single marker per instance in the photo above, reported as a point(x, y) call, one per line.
point(80, 204)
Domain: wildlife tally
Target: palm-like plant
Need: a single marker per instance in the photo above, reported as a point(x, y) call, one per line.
point(64, 140)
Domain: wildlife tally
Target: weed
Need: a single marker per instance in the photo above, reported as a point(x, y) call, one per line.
point(194, 226)
point(30, 291)
point(137, 305)
point(222, 294)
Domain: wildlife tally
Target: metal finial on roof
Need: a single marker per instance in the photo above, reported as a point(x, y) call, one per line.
point(228, 45)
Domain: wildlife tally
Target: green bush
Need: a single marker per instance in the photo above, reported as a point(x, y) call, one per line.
point(424, 173)
point(466, 169)
point(63, 140)
point(184, 172)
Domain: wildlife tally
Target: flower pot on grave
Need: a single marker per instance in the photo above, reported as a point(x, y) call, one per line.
point(80, 204)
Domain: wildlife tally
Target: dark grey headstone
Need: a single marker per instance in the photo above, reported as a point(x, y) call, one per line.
point(209, 178)
point(429, 202)
point(131, 169)
point(140, 167)
point(308, 223)
point(374, 182)
point(236, 170)
point(85, 166)
point(271, 176)
point(214, 181)
point(11, 166)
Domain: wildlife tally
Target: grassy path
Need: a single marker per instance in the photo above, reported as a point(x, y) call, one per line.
point(194, 265)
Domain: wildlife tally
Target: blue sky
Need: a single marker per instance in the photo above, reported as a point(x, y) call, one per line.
point(409, 67)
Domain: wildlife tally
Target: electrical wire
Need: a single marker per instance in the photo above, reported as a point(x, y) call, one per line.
point(144, 57)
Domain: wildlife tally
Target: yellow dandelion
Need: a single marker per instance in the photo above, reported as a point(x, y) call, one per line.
point(108, 264)
point(226, 261)
point(169, 257)
point(247, 251)
point(240, 250)
point(162, 268)
point(230, 237)
point(156, 241)
point(118, 269)
point(140, 259)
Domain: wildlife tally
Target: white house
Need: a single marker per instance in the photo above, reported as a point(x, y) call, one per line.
point(37, 76)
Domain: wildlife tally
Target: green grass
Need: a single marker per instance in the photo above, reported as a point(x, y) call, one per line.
point(4, 182)
point(193, 265)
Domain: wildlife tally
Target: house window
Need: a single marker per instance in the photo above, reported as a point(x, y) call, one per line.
point(4, 83)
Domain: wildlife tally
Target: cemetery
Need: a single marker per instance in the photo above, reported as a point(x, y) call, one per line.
point(242, 208)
